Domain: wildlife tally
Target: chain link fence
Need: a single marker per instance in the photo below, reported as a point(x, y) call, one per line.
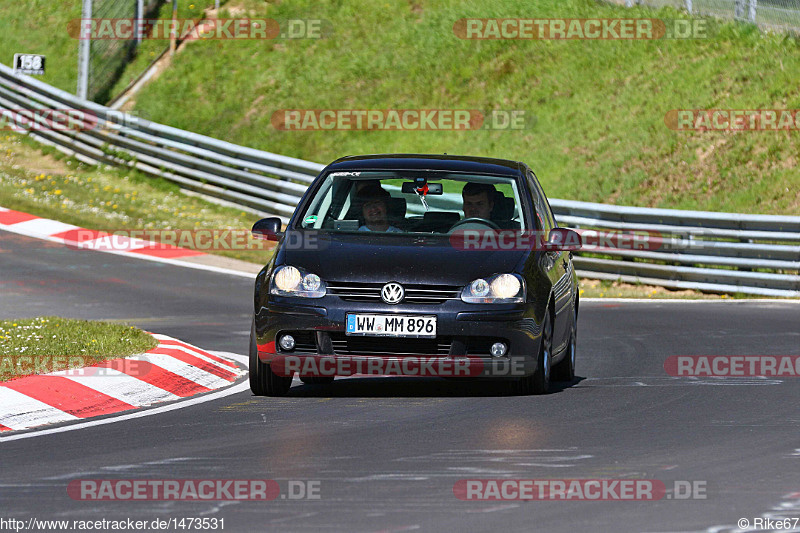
point(780, 15)
point(102, 61)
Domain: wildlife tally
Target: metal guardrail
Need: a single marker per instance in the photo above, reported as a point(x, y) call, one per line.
point(722, 252)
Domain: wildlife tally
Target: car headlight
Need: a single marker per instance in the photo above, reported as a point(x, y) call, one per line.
point(501, 288)
point(292, 281)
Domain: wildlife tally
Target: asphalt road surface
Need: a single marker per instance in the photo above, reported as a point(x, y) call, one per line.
point(385, 453)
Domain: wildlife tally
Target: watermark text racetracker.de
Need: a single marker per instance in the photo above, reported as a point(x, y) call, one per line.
point(577, 490)
point(23, 120)
point(75, 365)
point(562, 239)
point(733, 365)
point(125, 29)
point(429, 365)
point(193, 489)
point(210, 239)
point(401, 119)
point(582, 29)
point(733, 119)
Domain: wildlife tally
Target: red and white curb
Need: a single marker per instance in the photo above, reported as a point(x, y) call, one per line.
point(170, 371)
point(100, 241)
point(55, 231)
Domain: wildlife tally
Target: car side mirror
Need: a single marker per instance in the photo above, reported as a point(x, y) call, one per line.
point(267, 228)
point(562, 239)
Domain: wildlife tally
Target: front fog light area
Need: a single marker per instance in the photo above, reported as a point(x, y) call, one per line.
point(286, 342)
point(498, 349)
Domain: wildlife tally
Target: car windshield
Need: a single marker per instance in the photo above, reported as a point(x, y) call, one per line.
point(413, 202)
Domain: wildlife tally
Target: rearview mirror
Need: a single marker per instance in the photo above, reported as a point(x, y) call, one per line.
point(410, 187)
point(267, 228)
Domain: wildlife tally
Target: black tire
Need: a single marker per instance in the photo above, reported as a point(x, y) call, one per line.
point(263, 382)
point(539, 382)
point(317, 380)
point(565, 370)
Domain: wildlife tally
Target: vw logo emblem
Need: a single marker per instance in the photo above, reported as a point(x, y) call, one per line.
point(392, 293)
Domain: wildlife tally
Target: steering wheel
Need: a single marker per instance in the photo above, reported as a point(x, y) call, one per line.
point(474, 223)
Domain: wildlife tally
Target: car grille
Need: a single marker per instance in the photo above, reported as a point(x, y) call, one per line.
point(357, 345)
point(414, 293)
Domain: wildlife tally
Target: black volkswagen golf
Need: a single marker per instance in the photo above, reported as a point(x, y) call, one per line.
point(417, 265)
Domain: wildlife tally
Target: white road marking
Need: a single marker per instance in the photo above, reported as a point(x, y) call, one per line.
point(692, 300)
point(235, 389)
point(23, 412)
point(43, 227)
point(190, 351)
point(192, 373)
point(121, 386)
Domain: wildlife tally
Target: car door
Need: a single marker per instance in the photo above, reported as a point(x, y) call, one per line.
point(558, 267)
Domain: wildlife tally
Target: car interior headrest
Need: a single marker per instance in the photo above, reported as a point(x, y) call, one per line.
point(503, 207)
point(441, 217)
point(396, 208)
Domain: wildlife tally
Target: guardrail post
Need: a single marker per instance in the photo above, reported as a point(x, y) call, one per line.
point(84, 47)
point(752, 11)
point(738, 9)
point(137, 25)
point(173, 34)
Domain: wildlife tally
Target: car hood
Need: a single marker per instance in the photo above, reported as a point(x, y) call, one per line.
point(404, 258)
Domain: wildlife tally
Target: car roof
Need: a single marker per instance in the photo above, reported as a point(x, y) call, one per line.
point(479, 165)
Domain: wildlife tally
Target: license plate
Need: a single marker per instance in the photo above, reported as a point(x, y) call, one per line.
point(391, 325)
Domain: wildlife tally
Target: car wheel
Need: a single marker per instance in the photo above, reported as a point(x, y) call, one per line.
point(316, 380)
point(565, 370)
point(264, 382)
point(539, 382)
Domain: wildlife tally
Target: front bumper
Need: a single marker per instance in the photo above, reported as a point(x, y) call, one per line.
point(464, 332)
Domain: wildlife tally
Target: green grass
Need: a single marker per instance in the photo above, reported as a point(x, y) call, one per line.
point(599, 106)
point(149, 49)
point(107, 198)
point(40, 27)
point(47, 344)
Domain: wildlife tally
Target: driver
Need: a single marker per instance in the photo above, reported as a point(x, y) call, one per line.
point(478, 200)
point(374, 209)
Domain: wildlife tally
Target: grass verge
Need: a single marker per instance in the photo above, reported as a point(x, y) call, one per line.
point(39, 180)
point(593, 288)
point(47, 344)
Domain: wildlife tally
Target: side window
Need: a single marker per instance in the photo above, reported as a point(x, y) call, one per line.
point(544, 216)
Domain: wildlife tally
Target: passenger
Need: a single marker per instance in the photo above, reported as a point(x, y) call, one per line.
point(374, 209)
